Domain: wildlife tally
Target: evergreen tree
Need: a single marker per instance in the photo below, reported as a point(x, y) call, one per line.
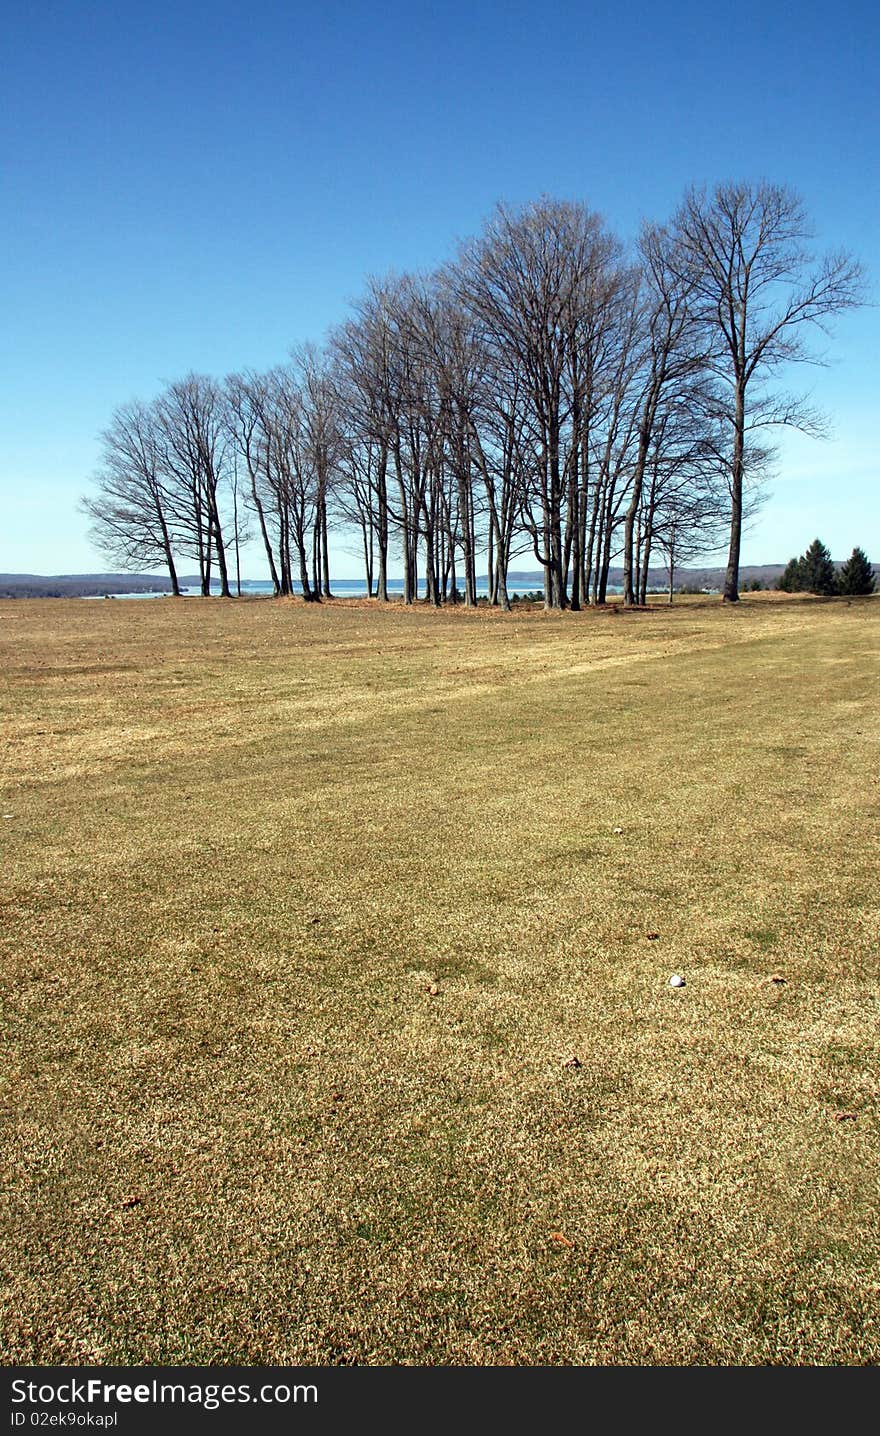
point(857, 575)
point(791, 580)
point(818, 570)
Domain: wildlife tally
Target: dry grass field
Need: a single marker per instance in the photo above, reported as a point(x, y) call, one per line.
point(335, 957)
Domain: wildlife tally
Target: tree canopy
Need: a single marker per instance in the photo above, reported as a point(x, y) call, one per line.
point(545, 392)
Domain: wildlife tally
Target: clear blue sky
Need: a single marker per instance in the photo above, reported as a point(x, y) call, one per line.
point(200, 186)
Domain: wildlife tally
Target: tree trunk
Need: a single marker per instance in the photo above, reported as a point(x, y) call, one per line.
point(731, 579)
point(206, 571)
point(300, 541)
point(237, 543)
point(214, 526)
point(169, 555)
point(629, 568)
point(583, 494)
point(593, 536)
point(367, 536)
point(606, 558)
point(557, 590)
point(284, 551)
point(267, 543)
point(325, 552)
point(382, 529)
point(646, 560)
point(574, 528)
point(502, 595)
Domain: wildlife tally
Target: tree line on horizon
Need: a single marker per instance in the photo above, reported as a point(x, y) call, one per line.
point(545, 392)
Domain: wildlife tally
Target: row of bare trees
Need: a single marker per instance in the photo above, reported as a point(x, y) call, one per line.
point(544, 393)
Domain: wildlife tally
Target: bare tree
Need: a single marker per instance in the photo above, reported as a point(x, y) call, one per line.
point(758, 291)
point(241, 533)
point(611, 437)
point(132, 511)
point(672, 366)
point(192, 433)
point(539, 392)
point(290, 479)
point(247, 420)
point(529, 283)
point(366, 354)
point(323, 447)
point(355, 497)
point(684, 502)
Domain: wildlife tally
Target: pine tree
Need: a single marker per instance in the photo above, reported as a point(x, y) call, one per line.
point(857, 575)
point(818, 570)
point(791, 580)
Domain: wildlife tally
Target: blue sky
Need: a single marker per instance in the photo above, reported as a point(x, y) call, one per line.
point(201, 186)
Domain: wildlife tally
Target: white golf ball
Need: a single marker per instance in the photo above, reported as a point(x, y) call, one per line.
point(676, 980)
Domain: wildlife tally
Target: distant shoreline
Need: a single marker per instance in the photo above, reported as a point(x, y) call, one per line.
point(120, 585)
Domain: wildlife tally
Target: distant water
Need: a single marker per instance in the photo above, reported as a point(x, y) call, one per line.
point(341, 588)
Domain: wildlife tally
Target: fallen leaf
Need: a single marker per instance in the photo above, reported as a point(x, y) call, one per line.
point(845, 1116)
point(778, 978)
point(562, 1240)
point(571, 1062)
point(128, 1202)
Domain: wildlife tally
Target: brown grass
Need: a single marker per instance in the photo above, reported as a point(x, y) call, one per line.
point(304, 916)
